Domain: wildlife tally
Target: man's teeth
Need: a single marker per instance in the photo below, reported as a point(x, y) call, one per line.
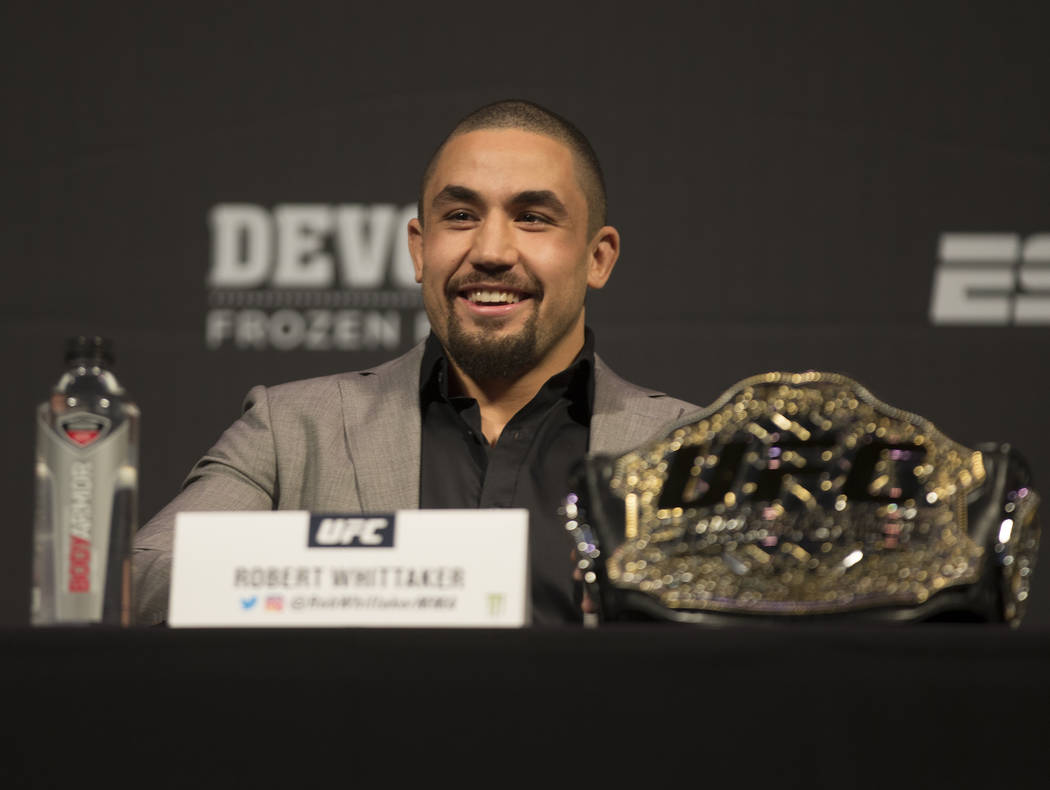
point(493, 297)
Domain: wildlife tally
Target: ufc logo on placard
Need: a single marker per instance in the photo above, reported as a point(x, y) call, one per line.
point(367, 532)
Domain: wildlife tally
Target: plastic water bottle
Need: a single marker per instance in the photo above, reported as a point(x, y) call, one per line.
point(86, 493)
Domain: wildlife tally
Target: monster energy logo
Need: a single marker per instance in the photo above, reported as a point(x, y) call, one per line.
point(496, 604)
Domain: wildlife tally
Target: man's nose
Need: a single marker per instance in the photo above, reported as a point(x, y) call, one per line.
point(494, 244)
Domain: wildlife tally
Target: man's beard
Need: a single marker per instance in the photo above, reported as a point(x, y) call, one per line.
point(485, 358)
point(477, 351)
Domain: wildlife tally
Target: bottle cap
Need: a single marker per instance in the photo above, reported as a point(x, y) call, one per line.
point(90, 347)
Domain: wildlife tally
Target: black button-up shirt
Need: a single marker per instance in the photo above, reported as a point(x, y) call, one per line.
point(528, 467)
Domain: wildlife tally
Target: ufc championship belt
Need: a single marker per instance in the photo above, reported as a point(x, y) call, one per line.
point(800, 496)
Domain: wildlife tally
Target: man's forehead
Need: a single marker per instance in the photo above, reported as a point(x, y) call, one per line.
point(505, 158)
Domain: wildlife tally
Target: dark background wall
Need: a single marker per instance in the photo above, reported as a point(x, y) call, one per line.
point(782, 174)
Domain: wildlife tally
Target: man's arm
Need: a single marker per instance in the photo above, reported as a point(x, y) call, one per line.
point(238, 473)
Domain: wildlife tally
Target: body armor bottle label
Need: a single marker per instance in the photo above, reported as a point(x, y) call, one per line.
point(86, 494)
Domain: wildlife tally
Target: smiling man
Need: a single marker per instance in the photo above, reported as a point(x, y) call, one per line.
point(506, 248)
point(501, 401)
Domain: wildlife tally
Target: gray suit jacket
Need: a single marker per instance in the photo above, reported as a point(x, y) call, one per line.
point(293, 449)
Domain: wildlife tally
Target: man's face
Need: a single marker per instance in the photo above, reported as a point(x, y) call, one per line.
point(504, 256)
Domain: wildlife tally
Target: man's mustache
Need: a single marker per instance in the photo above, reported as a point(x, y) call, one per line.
point(512, 282)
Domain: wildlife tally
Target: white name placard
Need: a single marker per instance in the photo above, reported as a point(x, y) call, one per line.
point(413, 568)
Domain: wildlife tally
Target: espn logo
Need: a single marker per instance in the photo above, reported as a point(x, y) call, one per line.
point(351, 532)
point(995, 279)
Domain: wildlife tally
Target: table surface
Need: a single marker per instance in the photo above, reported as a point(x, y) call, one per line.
point(922, 705)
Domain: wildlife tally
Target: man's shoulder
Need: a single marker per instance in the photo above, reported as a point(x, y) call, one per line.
point(626, 414)
point(400, 371)
point(619, 389)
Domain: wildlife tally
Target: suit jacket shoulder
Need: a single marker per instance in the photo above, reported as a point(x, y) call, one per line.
point(349, 441)
point(626, 415)
point(344, 443)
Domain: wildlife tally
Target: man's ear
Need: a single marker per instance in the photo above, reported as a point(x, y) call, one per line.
point(415, 246)
point(604, 250)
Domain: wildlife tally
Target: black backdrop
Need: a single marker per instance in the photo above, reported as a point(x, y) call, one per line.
point(782, 175)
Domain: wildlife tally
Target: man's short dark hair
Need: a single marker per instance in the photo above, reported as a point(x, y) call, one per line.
point(531, 117)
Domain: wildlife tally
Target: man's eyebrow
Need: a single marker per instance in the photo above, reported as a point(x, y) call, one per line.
point(453, 193)
point(539, 197)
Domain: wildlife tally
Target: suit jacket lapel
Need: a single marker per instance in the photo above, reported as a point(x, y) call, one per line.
point(383, 432)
